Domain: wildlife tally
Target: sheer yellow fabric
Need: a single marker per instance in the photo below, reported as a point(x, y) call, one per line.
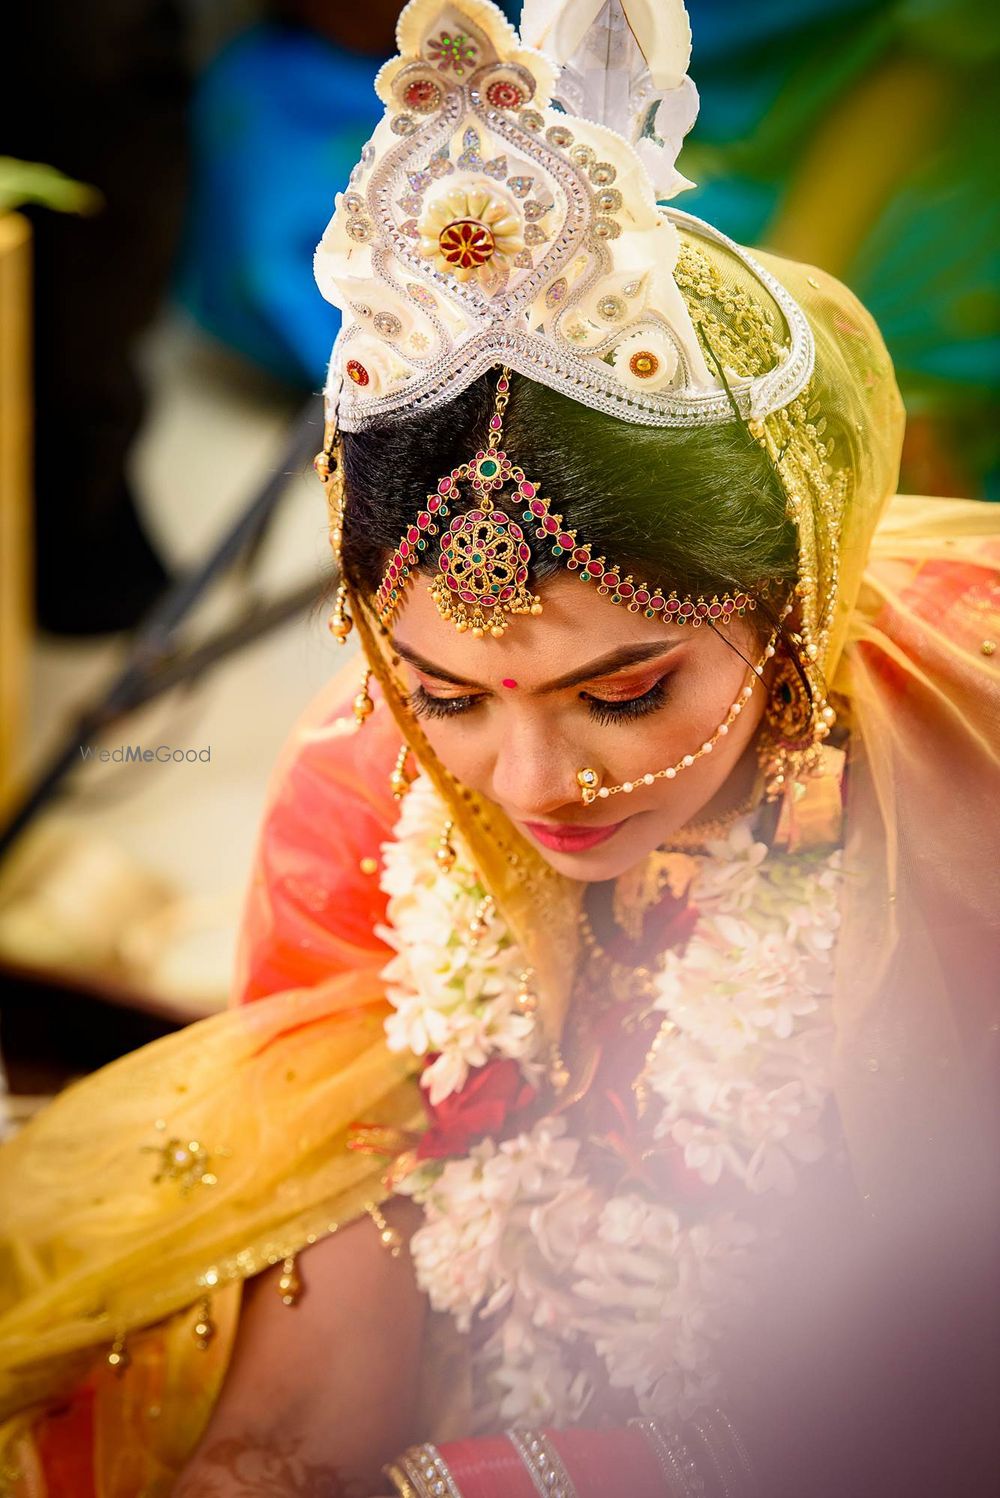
point(92, 1248)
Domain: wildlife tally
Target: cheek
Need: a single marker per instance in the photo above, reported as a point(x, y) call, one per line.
point(462, 746)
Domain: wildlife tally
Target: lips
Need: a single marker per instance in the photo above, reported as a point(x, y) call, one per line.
point(570, 839)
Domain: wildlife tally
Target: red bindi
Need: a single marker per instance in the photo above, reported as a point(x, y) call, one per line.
point(508, 681)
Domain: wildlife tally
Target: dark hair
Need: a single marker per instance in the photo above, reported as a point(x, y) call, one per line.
point(700, 510)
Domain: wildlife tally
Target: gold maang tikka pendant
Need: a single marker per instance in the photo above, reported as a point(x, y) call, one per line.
point(483, 571)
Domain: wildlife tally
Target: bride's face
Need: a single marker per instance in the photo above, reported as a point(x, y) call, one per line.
point(586, 683)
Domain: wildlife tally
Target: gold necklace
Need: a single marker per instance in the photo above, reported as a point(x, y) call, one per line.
point(695, 836)
point(670, 867)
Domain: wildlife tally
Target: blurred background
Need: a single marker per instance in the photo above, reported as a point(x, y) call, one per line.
point(166, 171)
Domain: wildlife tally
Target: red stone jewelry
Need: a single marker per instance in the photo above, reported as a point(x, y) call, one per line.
point(484, 557)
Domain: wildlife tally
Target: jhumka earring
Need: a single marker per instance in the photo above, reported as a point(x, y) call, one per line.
point(399, 780)
point(329, 466)
point(794, 727)
point(363, 705)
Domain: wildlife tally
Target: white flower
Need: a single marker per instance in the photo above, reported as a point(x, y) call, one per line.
point(581, 1288)
point(450, 995)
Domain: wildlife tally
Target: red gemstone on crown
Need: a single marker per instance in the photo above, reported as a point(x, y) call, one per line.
point(504, 95)
point(423, 94)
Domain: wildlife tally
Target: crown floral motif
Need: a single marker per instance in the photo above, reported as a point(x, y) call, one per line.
point(505, 210)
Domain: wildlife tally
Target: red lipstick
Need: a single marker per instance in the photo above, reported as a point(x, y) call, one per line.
point(570, 839)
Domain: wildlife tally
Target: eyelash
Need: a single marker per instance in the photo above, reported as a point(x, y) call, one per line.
point(425, 706)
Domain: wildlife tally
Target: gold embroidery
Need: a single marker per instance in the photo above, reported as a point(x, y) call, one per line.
point(189, 1164)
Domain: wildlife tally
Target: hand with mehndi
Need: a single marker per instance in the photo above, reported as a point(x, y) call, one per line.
point(314, 1405)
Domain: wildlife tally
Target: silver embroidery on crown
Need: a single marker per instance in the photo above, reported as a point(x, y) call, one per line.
point(477, 232)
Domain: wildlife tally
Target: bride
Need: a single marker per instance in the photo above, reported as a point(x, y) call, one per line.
point(605, 1104)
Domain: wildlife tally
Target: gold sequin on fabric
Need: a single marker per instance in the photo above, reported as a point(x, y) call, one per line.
point(186, 1162)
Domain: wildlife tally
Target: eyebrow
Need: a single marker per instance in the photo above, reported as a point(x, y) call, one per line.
point(604, 665)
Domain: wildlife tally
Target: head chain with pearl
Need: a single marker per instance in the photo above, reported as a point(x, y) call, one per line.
point(484, 555)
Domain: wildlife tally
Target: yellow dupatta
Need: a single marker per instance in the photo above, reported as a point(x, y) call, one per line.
point(93, 1247)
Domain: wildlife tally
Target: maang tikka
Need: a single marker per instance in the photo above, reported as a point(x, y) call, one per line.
point(484, 556)
point(482, 577)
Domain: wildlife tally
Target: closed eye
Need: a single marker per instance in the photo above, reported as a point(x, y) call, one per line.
point(626, 709)
point(602, 709)
point(424, 705)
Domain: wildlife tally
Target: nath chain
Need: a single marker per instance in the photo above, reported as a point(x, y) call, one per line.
point(589, 779)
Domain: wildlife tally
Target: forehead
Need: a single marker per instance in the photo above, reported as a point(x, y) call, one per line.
point(577, 625)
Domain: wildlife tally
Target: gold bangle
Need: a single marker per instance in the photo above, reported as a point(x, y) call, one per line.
point(388, 1236)
point(422, 1472)
point(400, 1481)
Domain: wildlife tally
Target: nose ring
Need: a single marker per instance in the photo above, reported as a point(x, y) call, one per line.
point(589, 782)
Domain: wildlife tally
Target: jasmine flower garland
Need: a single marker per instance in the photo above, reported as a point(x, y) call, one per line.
point(581, 1287)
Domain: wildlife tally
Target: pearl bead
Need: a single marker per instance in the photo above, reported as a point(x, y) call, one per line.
point(736, 709)
point(627, 786)
point(670, 773)
point(648, 779)
point(707, 747)
point(604, 793)
point(722, 730)
point(687, 761)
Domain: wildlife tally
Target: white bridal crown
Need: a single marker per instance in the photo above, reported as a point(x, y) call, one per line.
point(506, 210)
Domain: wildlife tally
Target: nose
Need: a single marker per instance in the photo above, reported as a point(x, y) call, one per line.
point(534, 773)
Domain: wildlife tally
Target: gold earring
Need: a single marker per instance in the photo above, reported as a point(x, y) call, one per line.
point(204, 1328)
point(399, 781)
point(340, 622)
point(363, 704)
point(289, 1282)
point(330, 468)
point(796, 720)
point(445, 856)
